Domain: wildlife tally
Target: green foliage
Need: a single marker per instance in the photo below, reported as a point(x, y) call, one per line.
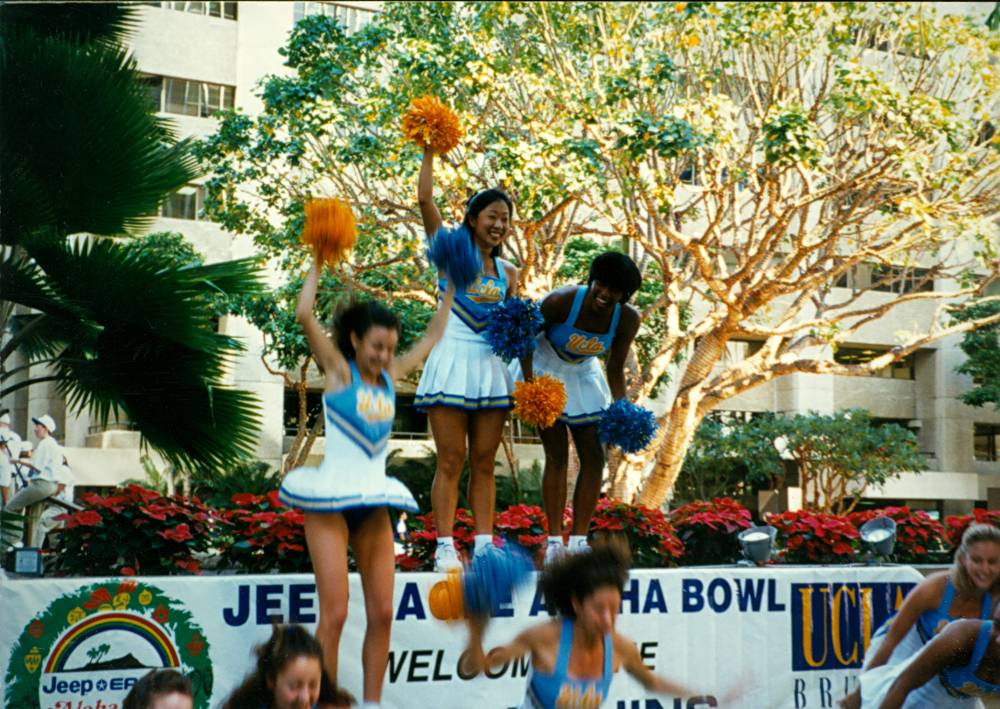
point(789, 138)
point(217, 487)
point(121, 326)
point(982, 350)
point(170, 247)
point(837, 455)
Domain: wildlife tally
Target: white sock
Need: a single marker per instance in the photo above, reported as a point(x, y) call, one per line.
point(370, 705)
point(482, 540)
point(577, 541)
point(555, 539)
point(445, 541)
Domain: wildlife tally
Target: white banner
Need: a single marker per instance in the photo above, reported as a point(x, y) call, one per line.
point(791, 637)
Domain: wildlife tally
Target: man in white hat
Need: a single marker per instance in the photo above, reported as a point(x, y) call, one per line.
point(10, 450)
point(46, 461)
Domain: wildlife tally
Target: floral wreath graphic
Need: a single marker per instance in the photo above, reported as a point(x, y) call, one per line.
point(118, 604)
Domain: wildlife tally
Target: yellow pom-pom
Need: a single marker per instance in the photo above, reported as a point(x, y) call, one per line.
point(431, 124)
point(329, 229)
point(539, 402)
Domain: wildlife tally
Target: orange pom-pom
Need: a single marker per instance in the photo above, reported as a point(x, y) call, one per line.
point(539, 402)
point(329, 229)
point(431, 124)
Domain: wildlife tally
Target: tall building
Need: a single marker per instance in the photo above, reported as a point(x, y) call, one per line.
point(198, 57)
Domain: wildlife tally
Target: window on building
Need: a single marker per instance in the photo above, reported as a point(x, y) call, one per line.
point(739, 350)
point(154, 89)
point(902, 369)
point(185, 203)
point(727, 417)
point(409, 421)
point(350, 17)
point(314, 409)
point(887, 279)
point(192, 98)
point(986, 441)
point(225, 10)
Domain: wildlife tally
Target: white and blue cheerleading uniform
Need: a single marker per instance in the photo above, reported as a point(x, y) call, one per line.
point(462, 371)
point(570, 355)
point(352, 474)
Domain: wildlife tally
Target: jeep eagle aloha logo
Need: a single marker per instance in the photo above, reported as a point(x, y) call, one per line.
point(87, 649)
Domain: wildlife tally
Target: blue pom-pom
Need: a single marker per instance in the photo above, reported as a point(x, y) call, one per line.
point(627, 426)
point(511, 327)
point(452, 251)
point(492, 577)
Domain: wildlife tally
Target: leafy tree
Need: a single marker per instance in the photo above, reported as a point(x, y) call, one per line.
point(120, 327)
point(982, 348)
point(780, 170)
point(838, 456)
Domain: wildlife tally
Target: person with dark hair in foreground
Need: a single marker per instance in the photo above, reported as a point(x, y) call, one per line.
point(582, 324)
point(574, 655)
point(345, 499)
point(288, 675)
point(160, 689)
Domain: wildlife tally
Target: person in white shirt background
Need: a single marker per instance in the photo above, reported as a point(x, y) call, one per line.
point(48, 476)
point(10, 450)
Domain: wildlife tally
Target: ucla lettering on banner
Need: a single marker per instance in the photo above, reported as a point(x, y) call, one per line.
point(832, 624)
point(78, 643)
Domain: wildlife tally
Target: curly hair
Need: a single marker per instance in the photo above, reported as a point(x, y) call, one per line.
point(578, 575)
point(358, 318)
point(616, 270)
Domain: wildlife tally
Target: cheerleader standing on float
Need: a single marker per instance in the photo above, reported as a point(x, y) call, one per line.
point(465, 388)
point(582, 323)
point(345, 500)
point(965, 591)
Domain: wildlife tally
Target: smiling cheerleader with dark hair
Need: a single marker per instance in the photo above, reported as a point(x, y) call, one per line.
point(465, 388)
point(582, 324)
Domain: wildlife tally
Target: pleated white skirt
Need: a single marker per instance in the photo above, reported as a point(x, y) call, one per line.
point(463, 372)
point(587, 391)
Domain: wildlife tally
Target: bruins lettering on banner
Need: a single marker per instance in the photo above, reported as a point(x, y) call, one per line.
point(832, 623)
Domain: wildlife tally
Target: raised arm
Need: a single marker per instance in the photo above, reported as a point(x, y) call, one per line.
point(404, 364)
point(425, 194)
point(916, 602)
point(628, 326)
point(951, 647)
point(326, 353)
point(632, 663)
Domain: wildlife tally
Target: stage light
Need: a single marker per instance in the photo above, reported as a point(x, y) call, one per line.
point(879, 535)
point(756, 543)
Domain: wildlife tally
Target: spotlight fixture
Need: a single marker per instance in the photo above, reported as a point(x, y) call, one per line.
point(879, 535)
point(756, 543)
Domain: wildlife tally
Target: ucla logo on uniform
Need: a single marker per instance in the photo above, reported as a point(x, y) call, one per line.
point(581, 344)
point(575, 698)
point(484, 291)
point(374, 406)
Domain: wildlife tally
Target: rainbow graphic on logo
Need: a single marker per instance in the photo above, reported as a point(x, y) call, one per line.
point(147, 629)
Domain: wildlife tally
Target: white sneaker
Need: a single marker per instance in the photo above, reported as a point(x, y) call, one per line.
point(446, 558)
point(577, 545)
point(484, 549)
point(554, 551)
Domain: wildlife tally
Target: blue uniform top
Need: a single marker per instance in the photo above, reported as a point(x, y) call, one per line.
point(557, 691)
point(931, 622)
point(575, 345)
point(362, 412)
point(962, 681)
point(473, 303)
